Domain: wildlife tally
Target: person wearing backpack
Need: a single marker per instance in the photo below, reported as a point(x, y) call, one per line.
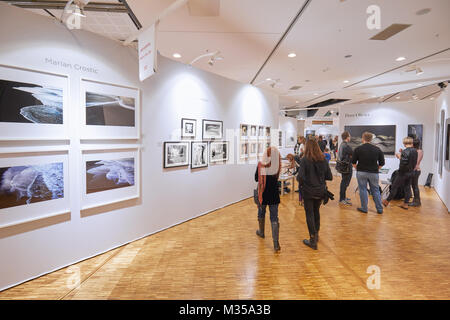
point(267, 173)
point(408, 161)
point(313, 173)
point(345, 156)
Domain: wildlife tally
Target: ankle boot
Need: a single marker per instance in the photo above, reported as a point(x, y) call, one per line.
point(312, 242)
point(260, 232)
point(275, 235)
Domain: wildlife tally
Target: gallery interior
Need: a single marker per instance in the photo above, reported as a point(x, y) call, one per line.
point(130, 133)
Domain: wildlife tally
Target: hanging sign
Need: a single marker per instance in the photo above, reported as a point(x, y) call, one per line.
point(147, 53)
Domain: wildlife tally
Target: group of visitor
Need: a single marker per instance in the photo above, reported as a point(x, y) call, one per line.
point(311, 165)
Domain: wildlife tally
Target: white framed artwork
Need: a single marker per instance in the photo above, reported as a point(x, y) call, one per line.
point(176, 154)
point(290, 139)
point(33, 186)
point(109, 111)
point(33, 105)
point(199, 154)
point(253, 146)
point(109, 176)
point(218, 151)
point(244, 150)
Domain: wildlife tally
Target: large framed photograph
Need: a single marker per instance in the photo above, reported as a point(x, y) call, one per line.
point(33, 105)
point(447, 145)
point(383, 137)
point(437, 142)
point(415, 131)
point(199, 154)
point(109, 176)
point(290, 139)
point(212, 129)
point(176, 154)
point(188, 128)
point(109, 111)
point(33, 186)
point(218, 151)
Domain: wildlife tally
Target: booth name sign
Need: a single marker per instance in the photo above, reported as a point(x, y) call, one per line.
point(356, 115)
point(76, 66)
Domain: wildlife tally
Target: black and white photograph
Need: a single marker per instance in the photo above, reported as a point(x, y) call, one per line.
point(280, 138)
point(218, 151)
point(267, 131)
point(244, 150)
point(416, 131)
point(260, 131)
point(188, 128)
point(30, 103)
point(176, 154)
point(383, 137)
point(109, 110)
point(103, 175)
point(253, 149)
point(23, 185)
point(253, 131)
point(437, 142)
point(244, 131)
point(309, 133)
point(290, 139)
point(212, 129)
point(447, 145)
point(199, 154)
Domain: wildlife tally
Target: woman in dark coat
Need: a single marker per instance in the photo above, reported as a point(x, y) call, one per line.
point(313, 172)
point(266, 175)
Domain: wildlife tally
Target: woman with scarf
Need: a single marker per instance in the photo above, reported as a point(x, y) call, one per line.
point(313, 173)
point(266, 175)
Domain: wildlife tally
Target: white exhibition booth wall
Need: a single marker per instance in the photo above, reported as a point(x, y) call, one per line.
point(400, 114)
point(167, 196)
point(442, 181)
point(287, 125)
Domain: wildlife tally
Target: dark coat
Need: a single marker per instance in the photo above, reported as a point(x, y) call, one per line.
point(270, 194)
point(312, 176)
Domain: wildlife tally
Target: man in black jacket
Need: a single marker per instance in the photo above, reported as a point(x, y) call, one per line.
point(345, 154)
point(408, 160)
point(368, 160)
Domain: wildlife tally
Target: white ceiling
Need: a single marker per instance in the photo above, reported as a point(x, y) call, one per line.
point(246, 32)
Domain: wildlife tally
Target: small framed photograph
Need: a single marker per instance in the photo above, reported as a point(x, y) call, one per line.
point(199, 154)
point(176, 154)
point(290, 139)
point(218, 151)
point(260, 148)
point(212, 130)
point(253, 132)
point(244, 131)
point(267, 132)
point(280, 138)
point(188, 128)
point(261, 131)
point(244, 150)
point(253, 149)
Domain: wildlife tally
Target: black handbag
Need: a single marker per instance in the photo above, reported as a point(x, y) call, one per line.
point(343, 166)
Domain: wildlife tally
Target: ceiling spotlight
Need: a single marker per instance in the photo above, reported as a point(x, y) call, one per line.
point(176, 55)
point(292, 55)
point(419, 71)
point(442, 85)
point(215, 56)
point(400, 59)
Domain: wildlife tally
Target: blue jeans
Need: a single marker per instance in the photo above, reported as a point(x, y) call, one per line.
point(372, 179)
point(273, 208)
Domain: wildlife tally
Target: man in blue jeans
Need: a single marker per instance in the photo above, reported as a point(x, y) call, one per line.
point(368, 160)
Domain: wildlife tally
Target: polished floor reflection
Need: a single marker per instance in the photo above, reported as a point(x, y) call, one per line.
point(218, 256)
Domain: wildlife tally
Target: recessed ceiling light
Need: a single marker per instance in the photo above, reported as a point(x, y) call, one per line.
point(419, 84)
point(316, 94)
point(176, 55)
point(268, 79)
point(346, 81)
point(292, 55)
point(296, 101)
point(400, 59)
point(432, 98)
point(397, 97)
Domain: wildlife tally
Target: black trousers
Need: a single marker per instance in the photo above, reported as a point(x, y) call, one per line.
point(345, 181)
point(403, 180)
point(312, 214)
point(415, 185)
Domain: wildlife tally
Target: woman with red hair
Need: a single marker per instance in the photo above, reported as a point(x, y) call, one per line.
point(266, 175)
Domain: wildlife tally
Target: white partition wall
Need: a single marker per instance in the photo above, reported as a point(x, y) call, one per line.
point(166, 197)
point(400, 114)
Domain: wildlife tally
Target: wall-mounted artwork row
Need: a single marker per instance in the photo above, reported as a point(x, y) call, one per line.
point(33, 105)
point(33, 186)
point(109, 111)
point(383, 137)
point(109, 175)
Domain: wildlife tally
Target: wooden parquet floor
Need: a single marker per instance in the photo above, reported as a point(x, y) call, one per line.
point(218, 256)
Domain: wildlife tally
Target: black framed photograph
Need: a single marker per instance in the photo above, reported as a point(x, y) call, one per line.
point(188, 128)
point(415, 131)
point(437, 141)
point(447, 145)
point(176, 154)
point(199, 154)
point(244, 131)
point(383, 136)
point(218, 151)
point(212, 130)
